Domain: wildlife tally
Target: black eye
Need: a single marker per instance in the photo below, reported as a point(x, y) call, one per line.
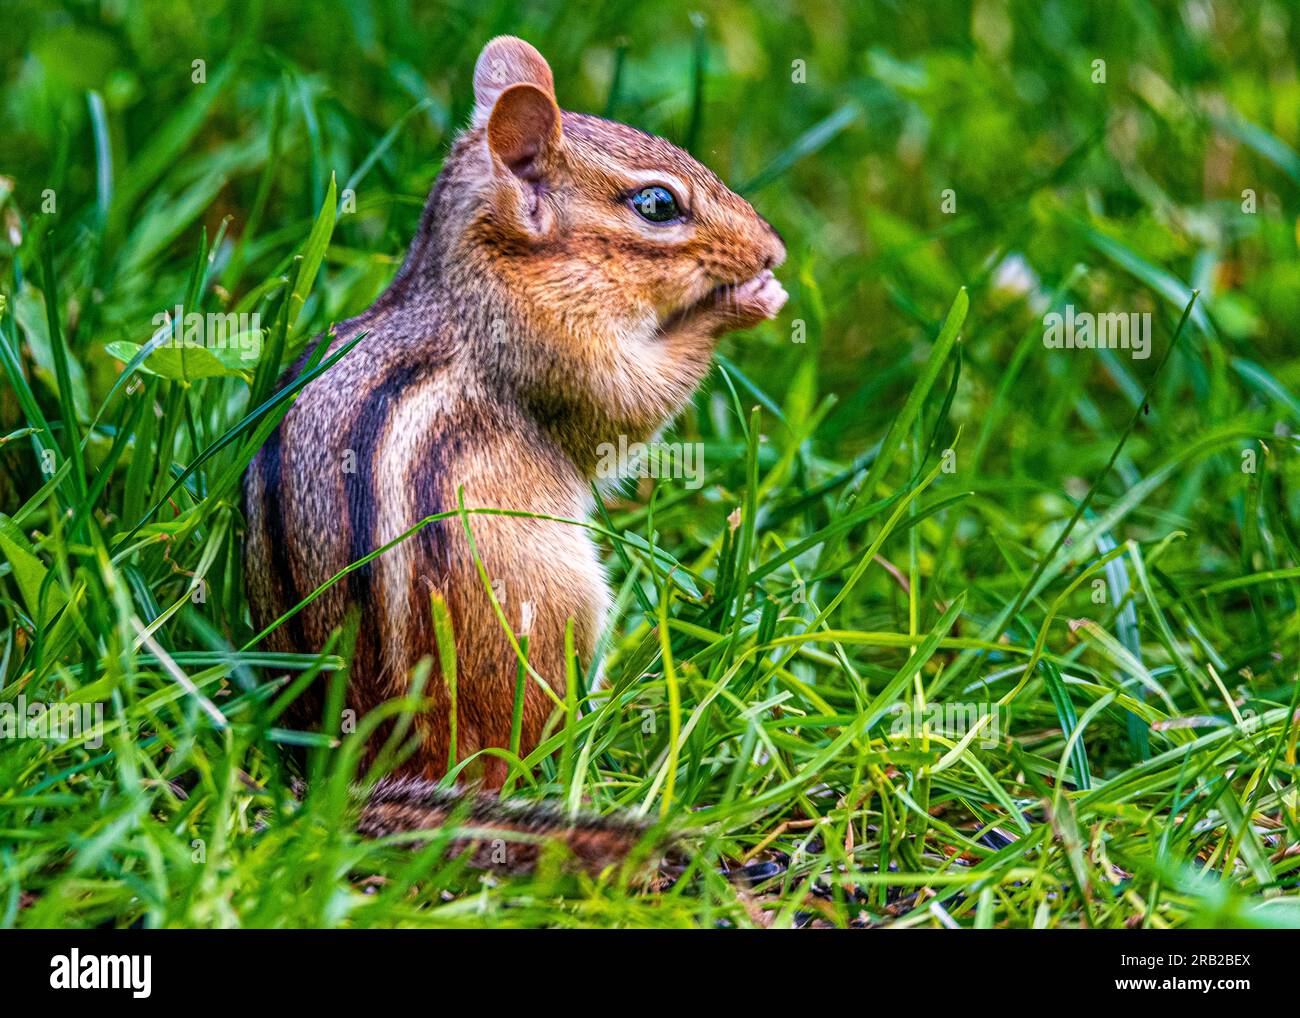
point(656, 204)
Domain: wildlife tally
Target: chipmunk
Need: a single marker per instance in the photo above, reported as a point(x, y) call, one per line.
point(565, 287)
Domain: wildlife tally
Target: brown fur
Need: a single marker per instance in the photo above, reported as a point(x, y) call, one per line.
point(536, 316)
point(505, 837)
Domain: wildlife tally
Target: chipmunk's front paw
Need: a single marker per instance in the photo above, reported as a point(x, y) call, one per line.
point(764, 293)
point(741, 305)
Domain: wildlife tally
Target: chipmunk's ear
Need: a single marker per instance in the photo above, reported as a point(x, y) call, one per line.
point(515, 98)
point(507, 61)
point(523, 131)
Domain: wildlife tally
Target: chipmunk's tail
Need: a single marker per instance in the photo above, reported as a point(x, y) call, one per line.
point(502, 836)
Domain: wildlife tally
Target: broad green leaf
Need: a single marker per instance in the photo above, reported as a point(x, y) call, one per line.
point(28, 572)
point(187, 363)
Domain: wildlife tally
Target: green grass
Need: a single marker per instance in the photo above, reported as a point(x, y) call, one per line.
point(911, 502)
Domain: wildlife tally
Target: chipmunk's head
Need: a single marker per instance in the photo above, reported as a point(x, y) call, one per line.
point(611, 230)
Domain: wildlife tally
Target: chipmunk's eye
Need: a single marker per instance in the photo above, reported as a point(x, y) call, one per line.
point(656, 204)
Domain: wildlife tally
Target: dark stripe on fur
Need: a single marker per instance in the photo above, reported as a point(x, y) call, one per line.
point(277, 538)
point(363, 499)
point(268, 462)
